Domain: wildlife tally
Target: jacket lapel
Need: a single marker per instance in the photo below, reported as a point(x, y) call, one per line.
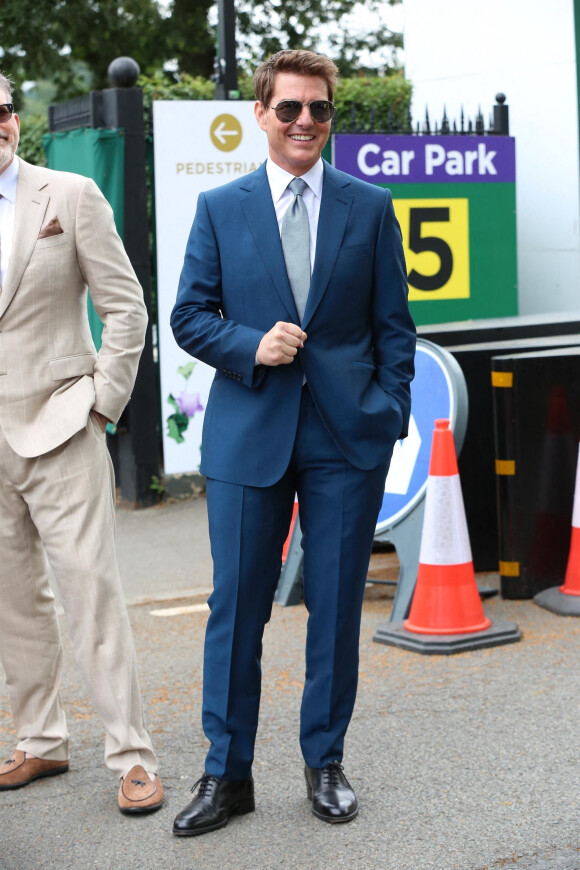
point(260, 214)
point(335, 208)
point(31, 205)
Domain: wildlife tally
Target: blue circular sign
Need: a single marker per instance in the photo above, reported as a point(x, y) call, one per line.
point(434, 394)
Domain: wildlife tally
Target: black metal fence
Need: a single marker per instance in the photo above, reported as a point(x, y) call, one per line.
point(85, 111)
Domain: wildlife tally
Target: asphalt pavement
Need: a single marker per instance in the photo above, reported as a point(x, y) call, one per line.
point(463, 762)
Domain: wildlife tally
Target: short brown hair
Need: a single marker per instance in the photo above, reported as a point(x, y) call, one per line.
point(298, 61)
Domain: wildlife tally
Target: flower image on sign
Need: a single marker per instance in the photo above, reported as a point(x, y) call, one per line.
point(185, 406)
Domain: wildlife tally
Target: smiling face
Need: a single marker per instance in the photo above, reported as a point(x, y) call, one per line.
point(297, 146)
point(9, 135)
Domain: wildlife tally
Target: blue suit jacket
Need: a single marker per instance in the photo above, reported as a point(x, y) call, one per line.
point(358, 357)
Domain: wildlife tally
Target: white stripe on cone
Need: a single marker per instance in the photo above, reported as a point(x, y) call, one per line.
point(445, 539)
point(576, 510)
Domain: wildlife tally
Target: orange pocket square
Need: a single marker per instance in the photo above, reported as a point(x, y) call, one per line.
point(53, 228)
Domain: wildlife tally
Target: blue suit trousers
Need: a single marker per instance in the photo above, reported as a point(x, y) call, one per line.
point(339, 505)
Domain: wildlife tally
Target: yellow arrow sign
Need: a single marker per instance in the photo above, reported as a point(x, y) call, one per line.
point(226, 132)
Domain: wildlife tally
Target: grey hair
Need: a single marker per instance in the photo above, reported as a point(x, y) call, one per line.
point(6, 85)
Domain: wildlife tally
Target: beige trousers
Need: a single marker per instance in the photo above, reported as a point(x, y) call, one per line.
point(60, 506)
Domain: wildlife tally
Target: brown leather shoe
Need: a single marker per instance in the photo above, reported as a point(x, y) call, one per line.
point(19, 770)
point(137, 794)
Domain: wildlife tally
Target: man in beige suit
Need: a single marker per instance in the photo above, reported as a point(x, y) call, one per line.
point(57, 235)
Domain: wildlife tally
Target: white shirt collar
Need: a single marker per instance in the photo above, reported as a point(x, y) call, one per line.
point(279, 178)
point(9, 180)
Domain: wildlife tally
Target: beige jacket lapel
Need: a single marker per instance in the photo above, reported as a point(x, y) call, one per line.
point(31, 205)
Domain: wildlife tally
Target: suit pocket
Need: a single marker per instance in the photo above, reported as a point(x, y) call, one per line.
point(365, 365)
point(75, 366)
point(52, 241)
point(351, 252)
point(96, 425)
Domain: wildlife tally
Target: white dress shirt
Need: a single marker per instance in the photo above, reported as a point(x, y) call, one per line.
point(8, 184)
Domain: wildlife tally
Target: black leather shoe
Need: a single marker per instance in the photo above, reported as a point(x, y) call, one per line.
point(333, 799)
point(214, 803)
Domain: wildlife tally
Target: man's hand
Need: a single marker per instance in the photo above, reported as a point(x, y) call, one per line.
point(101, 420)
point(280, 345)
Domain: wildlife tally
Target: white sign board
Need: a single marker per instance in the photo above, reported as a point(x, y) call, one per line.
point(199, 145)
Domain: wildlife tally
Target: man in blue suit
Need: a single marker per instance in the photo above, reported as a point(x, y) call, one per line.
point(306, 321)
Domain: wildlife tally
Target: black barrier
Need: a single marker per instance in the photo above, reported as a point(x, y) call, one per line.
point(473, 345)
point(536, 399)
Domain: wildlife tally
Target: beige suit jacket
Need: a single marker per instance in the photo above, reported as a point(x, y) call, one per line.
point(50, 373)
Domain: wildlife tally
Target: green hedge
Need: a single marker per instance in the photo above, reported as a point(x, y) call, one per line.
point(389, 96)
point(32, 129)
point(159, 87)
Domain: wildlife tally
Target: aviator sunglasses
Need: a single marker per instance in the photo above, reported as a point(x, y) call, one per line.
point(6, 111)
point(289, 110)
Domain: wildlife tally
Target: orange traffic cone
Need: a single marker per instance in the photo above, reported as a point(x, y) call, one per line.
point(290, 585)
point(572, 579)
point(446, 600)
point(286, 546)
point(446, 614)
point(565, 599)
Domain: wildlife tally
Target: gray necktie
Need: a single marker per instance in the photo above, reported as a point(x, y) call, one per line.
point(296, 245)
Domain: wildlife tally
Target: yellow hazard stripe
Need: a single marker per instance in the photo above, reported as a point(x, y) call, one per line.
point(505, 466)
point(509, 569)
point(502, 379)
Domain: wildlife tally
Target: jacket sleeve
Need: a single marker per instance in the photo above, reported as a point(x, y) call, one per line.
point(197, 318)
point(117, 297)
point(394, 334)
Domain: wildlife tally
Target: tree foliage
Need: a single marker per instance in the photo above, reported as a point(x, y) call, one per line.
point(66, 38)
point(191, 40)
point(72, 42)
point(266, 26)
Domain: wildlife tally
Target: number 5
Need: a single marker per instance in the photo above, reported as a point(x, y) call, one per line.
point(419, 244)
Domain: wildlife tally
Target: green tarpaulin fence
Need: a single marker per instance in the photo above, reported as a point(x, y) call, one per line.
point(100, 155)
